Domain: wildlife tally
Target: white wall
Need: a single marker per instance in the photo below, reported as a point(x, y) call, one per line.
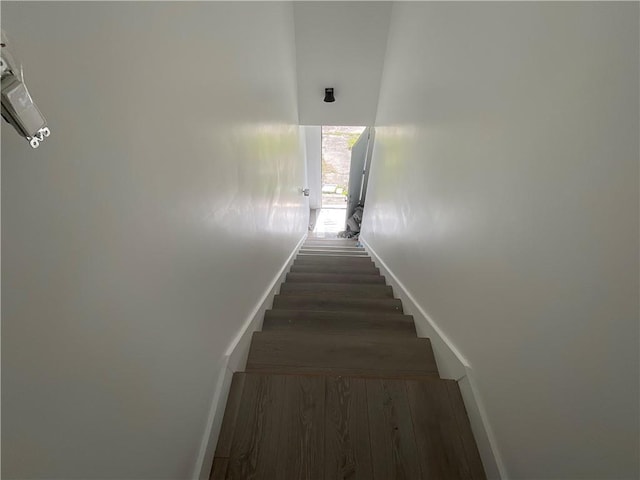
point(313, 144)
point(137, 240)
point(340, 45)
point(504, 195)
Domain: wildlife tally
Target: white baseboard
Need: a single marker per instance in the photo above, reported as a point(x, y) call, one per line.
point(234, 360)
point(451, 364)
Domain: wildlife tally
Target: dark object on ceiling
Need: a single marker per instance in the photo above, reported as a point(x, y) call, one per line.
point(328, 95)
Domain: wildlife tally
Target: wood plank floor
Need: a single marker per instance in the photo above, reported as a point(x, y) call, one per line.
point(338, 385)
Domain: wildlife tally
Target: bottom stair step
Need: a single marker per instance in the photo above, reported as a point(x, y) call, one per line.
point(292, 427)
point(356, 355)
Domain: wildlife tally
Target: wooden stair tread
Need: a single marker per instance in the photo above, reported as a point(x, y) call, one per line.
point(336, 253)
point(339, 322)
point(357, 355)
point(324, 303)
point(338, 427)
point(331, 260)
point(331, 242)
point(333, 248)
point(370, 269)
point(335, 278)
point(337, 290)
point(337, 247)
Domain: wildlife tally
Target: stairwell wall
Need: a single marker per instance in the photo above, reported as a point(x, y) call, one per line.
point(138, 239)
point(504, 196)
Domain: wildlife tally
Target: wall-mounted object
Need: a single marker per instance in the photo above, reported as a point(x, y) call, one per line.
point(18, 108)
point(328, 95)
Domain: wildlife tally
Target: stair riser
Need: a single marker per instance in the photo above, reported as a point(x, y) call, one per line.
point(335, 278)
point(321, 303)
point(379, 356)
point(337, 290)
point(341, 322)
point(355, 253)
point(332, 248)
point(340, 269)
point(332, 242)
point(331, 260)
point(335, 246)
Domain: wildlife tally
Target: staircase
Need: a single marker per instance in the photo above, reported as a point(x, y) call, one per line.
point(338, 385)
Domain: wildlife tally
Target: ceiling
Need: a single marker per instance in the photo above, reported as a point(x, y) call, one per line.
point(340, 45)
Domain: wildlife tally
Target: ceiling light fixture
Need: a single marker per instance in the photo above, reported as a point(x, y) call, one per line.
point(328, 95)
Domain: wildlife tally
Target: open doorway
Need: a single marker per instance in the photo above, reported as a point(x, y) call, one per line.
point(337, 143)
